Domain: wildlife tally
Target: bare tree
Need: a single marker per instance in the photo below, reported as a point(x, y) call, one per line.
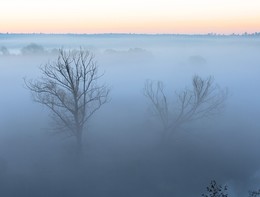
point(69, 88)
point(203, 100)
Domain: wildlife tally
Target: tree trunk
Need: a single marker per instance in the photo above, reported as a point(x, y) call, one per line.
point(79, 143)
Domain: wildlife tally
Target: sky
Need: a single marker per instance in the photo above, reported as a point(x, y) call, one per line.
point(130, 16)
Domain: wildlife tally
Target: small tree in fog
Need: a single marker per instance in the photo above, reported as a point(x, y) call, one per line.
point(33, 49)
point(4, 51)
point(203, 100)
point(69, 88)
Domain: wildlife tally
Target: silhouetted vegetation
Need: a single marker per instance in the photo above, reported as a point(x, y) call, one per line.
point(69, 88)
point(215, 190)
point(254, 193)
point(4, 51)
point(32, 49)
point(203, 100)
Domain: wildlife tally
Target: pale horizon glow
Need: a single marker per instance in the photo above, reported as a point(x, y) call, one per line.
point(130, 16)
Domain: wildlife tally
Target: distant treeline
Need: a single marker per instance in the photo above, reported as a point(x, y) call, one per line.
point(245, 34)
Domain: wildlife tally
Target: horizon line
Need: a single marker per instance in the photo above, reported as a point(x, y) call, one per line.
point(148, 34)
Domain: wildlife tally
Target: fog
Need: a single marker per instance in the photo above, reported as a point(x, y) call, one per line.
point(122, 151)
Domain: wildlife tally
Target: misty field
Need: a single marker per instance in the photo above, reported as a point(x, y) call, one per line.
point(122, 150)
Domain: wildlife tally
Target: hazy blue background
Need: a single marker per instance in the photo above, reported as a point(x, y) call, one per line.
point(121, 152)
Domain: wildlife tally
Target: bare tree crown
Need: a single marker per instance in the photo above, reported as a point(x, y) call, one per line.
point(204, 99)
point(69, 88)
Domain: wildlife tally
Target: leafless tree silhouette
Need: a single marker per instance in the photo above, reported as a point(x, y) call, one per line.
point(203, 100)
point(69, 88)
